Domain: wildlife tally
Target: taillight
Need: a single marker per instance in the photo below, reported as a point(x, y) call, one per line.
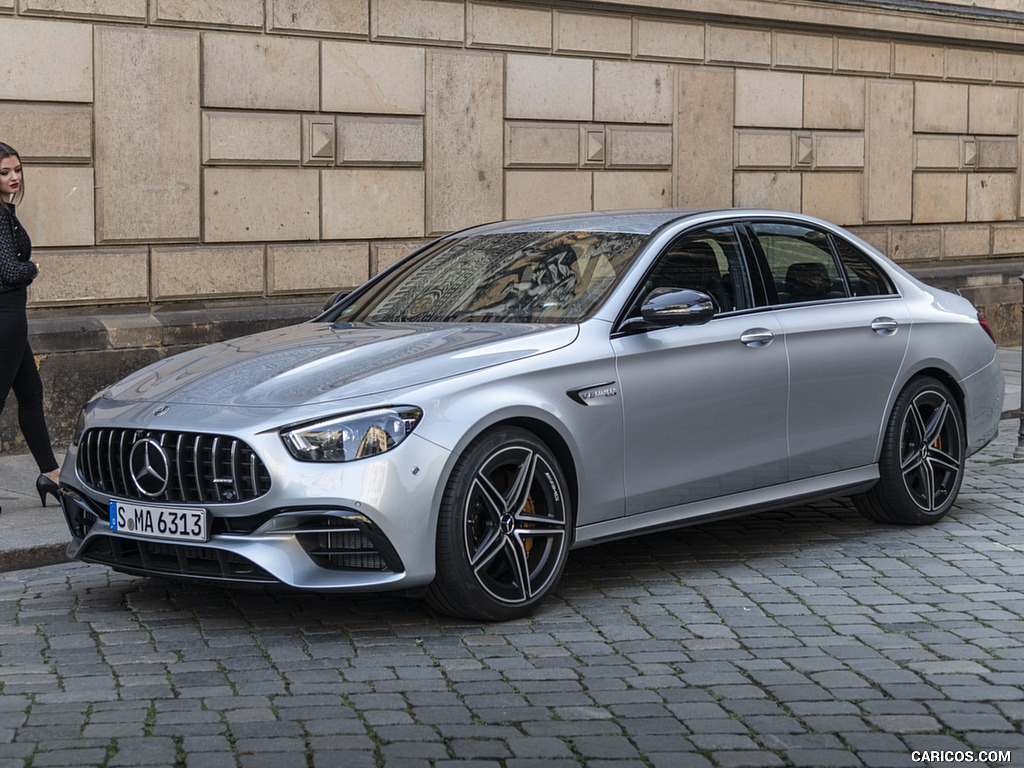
point(984, 324)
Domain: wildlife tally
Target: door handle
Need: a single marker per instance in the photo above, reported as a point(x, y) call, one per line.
point(884, 326)
point(757, 337)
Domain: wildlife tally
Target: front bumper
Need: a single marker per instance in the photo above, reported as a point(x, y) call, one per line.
point(363, 526)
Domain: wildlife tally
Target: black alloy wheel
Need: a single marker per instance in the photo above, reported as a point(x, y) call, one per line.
point(504, 528)
point(921, 465)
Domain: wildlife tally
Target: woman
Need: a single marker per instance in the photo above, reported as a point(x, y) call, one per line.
point(17, 365)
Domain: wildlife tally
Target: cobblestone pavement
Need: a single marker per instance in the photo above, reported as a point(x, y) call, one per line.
point(805, 637)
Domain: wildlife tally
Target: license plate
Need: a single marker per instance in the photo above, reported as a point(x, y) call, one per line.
point(182, 523)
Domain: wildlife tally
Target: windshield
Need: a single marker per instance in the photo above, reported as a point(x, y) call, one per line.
point(508, 277)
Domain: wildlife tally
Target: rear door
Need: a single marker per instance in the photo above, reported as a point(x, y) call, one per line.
point(846, 333)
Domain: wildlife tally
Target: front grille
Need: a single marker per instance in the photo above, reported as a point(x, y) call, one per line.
point(168, 559)
point(200, 468)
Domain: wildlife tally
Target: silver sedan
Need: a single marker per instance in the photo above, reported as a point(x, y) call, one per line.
point(456, 425)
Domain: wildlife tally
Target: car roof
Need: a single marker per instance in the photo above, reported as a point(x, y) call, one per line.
point(641, 222)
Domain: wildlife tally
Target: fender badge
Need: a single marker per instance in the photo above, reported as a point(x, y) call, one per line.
point(587, 395)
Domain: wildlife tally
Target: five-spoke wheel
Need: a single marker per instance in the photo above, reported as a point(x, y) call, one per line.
point(504, 528)
point(922, 461)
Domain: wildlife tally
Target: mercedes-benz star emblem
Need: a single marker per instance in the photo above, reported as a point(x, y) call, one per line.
point(149, 467)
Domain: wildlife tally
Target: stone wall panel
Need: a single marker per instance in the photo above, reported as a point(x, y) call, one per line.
point(548, 88)
point(384, 254)
point(437, 21)
point(48, 133)
point(632, 189)
point(58, 209)
point(380, 141)
point(365, 203)
point(491, 25)
point(764, 149)
point(633, 92)
point(260, 204)
point(991, 197)
point(769, 99)
point(838, 197)
point(1009, 68)
point(917, 245)
point(264, 139)
point(1007, 239)
point(996, 154)
point(147, 125)
point(889, 152)
point(804, 52)
point(542, 145)
point(337, 17)
point(668, 40)
point(937, 153)
point(83, 277)
point(29, 74)
point(919, 61)
point(966, 241)
point(260, 72)
point(869, 57)
point(109, 10)
point(940, 107)
point(733, 45)
point(227, 13)
point(326, 267)
point(539, 193)
point(993, 110)
point(199, 272)
point(940, 197)
point(638, 147)
point(834, 102)
point(969, 64)
point(593, 34)
point(373, 79)
point(464, 139)
point(703, 137)
point(838, 150)
point(779, 190)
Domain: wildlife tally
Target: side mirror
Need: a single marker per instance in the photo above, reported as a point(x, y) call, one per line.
point(335, 299)
point(665, 307)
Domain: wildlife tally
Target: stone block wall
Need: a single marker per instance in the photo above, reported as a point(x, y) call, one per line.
point(253, 153)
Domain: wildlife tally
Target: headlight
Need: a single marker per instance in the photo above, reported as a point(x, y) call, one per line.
point(351, 437)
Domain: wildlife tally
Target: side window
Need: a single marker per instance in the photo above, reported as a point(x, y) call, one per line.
point(863, 277)
point(709, 261)
point(800, 261)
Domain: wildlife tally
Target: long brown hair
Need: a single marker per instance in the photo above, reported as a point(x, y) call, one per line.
point(6, 150)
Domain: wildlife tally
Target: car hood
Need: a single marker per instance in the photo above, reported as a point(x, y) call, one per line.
point(323, 362)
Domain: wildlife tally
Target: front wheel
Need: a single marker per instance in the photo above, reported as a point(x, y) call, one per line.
point(503, 530)
point(921, 465)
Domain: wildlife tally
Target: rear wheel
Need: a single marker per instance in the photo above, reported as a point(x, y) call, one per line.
point(504, 528)
point(921, 465)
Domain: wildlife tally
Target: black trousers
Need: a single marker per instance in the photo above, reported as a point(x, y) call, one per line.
point(18, 372)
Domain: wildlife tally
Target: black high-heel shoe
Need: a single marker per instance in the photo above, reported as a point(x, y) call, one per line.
point(45, 485)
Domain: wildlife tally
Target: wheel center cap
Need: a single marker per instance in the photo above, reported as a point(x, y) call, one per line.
point(508, 524)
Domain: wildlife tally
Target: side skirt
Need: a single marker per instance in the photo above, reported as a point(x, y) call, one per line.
point(845, 483)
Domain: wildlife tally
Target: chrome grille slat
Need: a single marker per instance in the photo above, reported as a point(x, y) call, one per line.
point(194, 461)
point(179, 465)
point(197, 465)
point(214, 473)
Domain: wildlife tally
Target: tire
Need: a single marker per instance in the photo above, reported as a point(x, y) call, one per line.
point(504, 528)
point(921, 465)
